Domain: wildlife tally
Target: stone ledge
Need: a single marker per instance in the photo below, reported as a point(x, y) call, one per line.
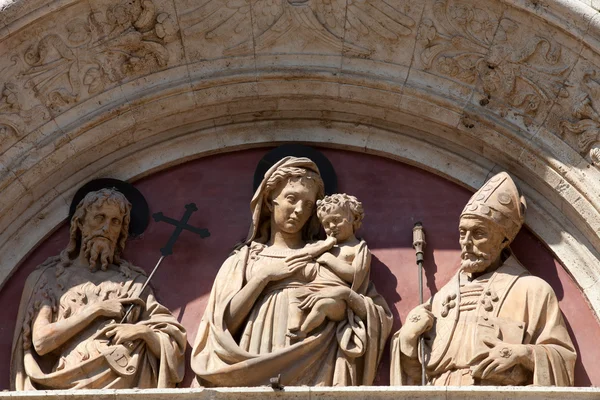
point(302, 392)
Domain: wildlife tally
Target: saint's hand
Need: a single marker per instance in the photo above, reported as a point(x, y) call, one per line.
point(500, 357)
point(335, 292)
point(122, 333)
point(113, 308)
point(108, 308)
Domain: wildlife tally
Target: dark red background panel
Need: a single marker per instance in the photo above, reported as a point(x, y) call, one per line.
point(394, 195)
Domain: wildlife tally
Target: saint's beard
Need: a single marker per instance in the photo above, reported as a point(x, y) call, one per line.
point(98, 251)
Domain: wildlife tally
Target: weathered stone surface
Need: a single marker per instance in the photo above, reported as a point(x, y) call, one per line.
point(90, 87)
point(306, 393)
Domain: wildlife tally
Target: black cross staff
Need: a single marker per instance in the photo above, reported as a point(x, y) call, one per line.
point(180, 226)
point(168, 249)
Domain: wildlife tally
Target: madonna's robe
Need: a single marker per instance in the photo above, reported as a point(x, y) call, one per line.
point(339, 353)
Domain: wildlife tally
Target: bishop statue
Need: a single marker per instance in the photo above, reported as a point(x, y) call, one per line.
point(494, 323)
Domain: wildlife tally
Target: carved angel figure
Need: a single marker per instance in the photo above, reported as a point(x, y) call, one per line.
point(327, 21)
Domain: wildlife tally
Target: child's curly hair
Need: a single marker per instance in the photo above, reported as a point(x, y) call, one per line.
point(346, 202)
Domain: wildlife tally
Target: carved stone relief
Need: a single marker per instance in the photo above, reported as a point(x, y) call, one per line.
point(86, 55)
point(481, 47)
point(17, 113)
point(291, 306)
point(586, 129)
point(61, 64)
point(244, 27)
point(97, 50)
point(497, 60)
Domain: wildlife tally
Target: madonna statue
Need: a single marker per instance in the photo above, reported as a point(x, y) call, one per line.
point(244, 337)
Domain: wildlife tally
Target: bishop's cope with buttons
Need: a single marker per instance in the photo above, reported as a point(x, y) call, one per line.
point(493, 323)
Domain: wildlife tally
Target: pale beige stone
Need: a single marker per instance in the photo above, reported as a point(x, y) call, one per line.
point(228, 58)
point(493, 323)
point(67, 337)
point(321, 393)
point(304, 310)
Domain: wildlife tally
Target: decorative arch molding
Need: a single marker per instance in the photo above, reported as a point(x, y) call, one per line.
point(94, 88)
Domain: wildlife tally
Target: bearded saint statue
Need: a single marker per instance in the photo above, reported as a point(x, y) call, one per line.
point(68, 333)
point(493, 323)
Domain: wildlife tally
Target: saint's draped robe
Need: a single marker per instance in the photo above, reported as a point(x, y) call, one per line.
point(88, 360)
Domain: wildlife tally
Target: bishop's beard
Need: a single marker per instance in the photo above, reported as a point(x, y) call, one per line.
point(480, 262)
point(98, 250)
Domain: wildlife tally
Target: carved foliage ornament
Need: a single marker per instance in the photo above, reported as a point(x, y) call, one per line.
point(13, 115)
point(587, 127)
point(338, 23)
point(105, 47)
point(467, 43)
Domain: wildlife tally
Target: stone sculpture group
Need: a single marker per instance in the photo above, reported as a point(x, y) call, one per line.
point(286, 304)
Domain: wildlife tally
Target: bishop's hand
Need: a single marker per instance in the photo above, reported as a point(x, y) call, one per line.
point(418, 321)
point(499, 357)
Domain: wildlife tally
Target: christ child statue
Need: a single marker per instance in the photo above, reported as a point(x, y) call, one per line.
point(340, 215)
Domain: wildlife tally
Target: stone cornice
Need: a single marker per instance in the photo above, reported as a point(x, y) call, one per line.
point(306, 393)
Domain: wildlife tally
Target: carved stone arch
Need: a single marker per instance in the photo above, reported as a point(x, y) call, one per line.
point(97, 88)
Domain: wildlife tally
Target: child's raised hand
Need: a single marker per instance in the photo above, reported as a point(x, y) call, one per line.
point(330, 241)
